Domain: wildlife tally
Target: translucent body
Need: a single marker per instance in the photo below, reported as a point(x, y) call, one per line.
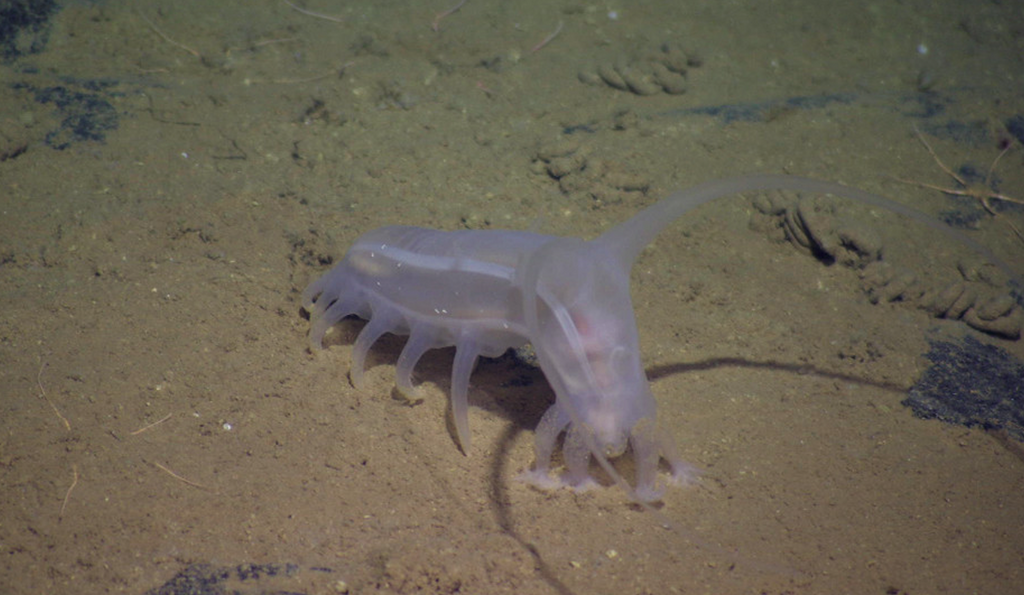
point(487, 291)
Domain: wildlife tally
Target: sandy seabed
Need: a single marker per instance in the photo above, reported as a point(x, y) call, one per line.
point(174, 174)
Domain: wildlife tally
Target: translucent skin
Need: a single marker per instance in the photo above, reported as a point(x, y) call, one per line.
point(487, 291)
